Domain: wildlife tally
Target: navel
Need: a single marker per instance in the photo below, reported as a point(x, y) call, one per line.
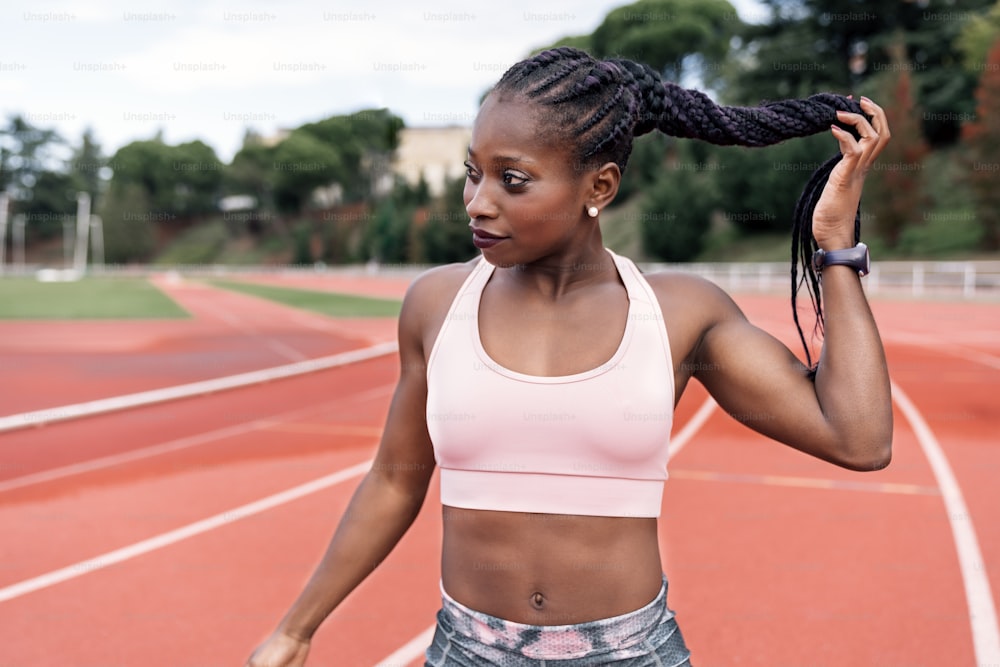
point(537, 600)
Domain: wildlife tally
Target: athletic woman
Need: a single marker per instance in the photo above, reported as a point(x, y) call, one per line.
point(541, 376)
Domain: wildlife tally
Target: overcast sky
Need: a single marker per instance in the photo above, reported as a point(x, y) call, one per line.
point(207, 69)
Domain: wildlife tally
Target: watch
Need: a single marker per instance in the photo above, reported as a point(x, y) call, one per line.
point(856, 257)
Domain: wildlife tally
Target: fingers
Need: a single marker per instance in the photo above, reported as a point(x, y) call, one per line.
point(874, 135)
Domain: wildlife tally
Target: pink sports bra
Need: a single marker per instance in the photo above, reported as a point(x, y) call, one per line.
point(591, 443)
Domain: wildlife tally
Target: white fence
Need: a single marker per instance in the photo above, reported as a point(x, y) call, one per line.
point(966, 280)
point(955, 280)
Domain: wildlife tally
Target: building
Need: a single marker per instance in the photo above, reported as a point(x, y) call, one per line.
point(438, 153)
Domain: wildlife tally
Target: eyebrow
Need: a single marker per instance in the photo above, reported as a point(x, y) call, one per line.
point(502, 158)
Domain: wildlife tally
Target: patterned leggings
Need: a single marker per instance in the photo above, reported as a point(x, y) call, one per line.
point(645, 637)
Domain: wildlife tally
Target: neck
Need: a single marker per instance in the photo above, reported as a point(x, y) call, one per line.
point(557, 275)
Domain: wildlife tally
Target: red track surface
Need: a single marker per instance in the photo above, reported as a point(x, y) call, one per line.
point(774, 559)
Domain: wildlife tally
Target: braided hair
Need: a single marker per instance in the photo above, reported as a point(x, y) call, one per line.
point(600, 106)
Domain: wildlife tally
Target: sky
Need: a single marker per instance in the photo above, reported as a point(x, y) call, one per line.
point(208, 69)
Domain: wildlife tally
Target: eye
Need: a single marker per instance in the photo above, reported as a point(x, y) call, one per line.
point(514, 179)
point(470, 171)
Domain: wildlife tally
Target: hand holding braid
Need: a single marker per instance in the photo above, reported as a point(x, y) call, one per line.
point(601, 106)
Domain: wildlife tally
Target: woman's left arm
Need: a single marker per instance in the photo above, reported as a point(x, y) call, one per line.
point(844, 413)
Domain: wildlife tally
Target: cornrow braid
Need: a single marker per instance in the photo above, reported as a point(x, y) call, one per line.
point(601, 106)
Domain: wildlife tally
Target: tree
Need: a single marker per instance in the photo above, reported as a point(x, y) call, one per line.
point(33, 174)
point(667, 34)
point(644, 165)
point(678, 211)
point(386, 238)
point(86, 165)
point(759, 186)
point(128, 220)
point(302, 163)
point(677, 37)
point(812, 46)
point(897, 197)
point(25, 152)
point(252, 172)
point(182, 180)
point(196, 178)
point(446, 236)
point(976, 37)
point(981, 141)
point(365, 141)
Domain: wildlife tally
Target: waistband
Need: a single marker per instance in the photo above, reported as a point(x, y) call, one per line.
point(621, 636)
point(550, 493)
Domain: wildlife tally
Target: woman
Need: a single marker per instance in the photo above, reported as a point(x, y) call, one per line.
point(565, 363)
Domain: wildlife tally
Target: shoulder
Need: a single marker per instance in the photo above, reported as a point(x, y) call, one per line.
point(438, 283)
point(692, 308)
point(429, 297)
point(691, 294)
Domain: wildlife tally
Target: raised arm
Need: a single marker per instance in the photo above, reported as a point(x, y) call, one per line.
point(843, 414)
point(383, 506)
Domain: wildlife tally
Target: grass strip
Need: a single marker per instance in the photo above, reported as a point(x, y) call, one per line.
point(88, 298)
point(333, 304)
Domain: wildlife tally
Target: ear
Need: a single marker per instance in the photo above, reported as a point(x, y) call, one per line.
point(603, 185)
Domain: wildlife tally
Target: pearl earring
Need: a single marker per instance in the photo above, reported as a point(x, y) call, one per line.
point(592, 211)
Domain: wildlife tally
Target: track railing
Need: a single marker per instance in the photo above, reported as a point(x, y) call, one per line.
point(917, 279)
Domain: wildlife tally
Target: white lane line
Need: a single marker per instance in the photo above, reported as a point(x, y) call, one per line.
point(49, 415)
point(415, 648)
point(280, 348)
point(182, 443)
point(692, 426)
point(182, 533)
point(982, 612)
point(410, 651)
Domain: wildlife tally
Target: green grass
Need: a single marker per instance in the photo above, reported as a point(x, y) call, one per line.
point(325, 303)
point(90, 298)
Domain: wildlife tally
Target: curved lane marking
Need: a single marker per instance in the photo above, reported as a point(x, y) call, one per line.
point(978, 595)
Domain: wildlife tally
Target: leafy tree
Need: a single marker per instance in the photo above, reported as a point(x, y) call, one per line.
point(53, 198)
point(182, 180)
point(678, 212)
point(644, 165)
point(302, 235)
point(25, 152)
point(32, 172)
point(86, 165)
point(810, 46)
point(128, 218)
point(897, 198)
point(302, 163)
point(981, 141)
point(386, 238)
point(364, 141)
point(146, 165)
point(446, 236)
point(252, 172)
point(976, 37)
point(667, 34)
point(759, 186)
point(196, 177)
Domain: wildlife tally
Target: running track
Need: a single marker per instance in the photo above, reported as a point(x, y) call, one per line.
point(139, 537)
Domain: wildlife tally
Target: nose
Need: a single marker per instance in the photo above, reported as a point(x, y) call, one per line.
point(478, 201)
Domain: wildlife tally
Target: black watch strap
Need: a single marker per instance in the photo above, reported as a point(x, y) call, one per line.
point(856, 257)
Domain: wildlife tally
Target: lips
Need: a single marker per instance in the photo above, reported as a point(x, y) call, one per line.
point(483, 239)
point(484, 234)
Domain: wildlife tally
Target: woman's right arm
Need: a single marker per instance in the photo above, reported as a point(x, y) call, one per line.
point(385, 503)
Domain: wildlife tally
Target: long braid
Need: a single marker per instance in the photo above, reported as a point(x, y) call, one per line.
point(601, 106)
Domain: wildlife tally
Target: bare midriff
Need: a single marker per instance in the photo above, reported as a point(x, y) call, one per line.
point(549, 569)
